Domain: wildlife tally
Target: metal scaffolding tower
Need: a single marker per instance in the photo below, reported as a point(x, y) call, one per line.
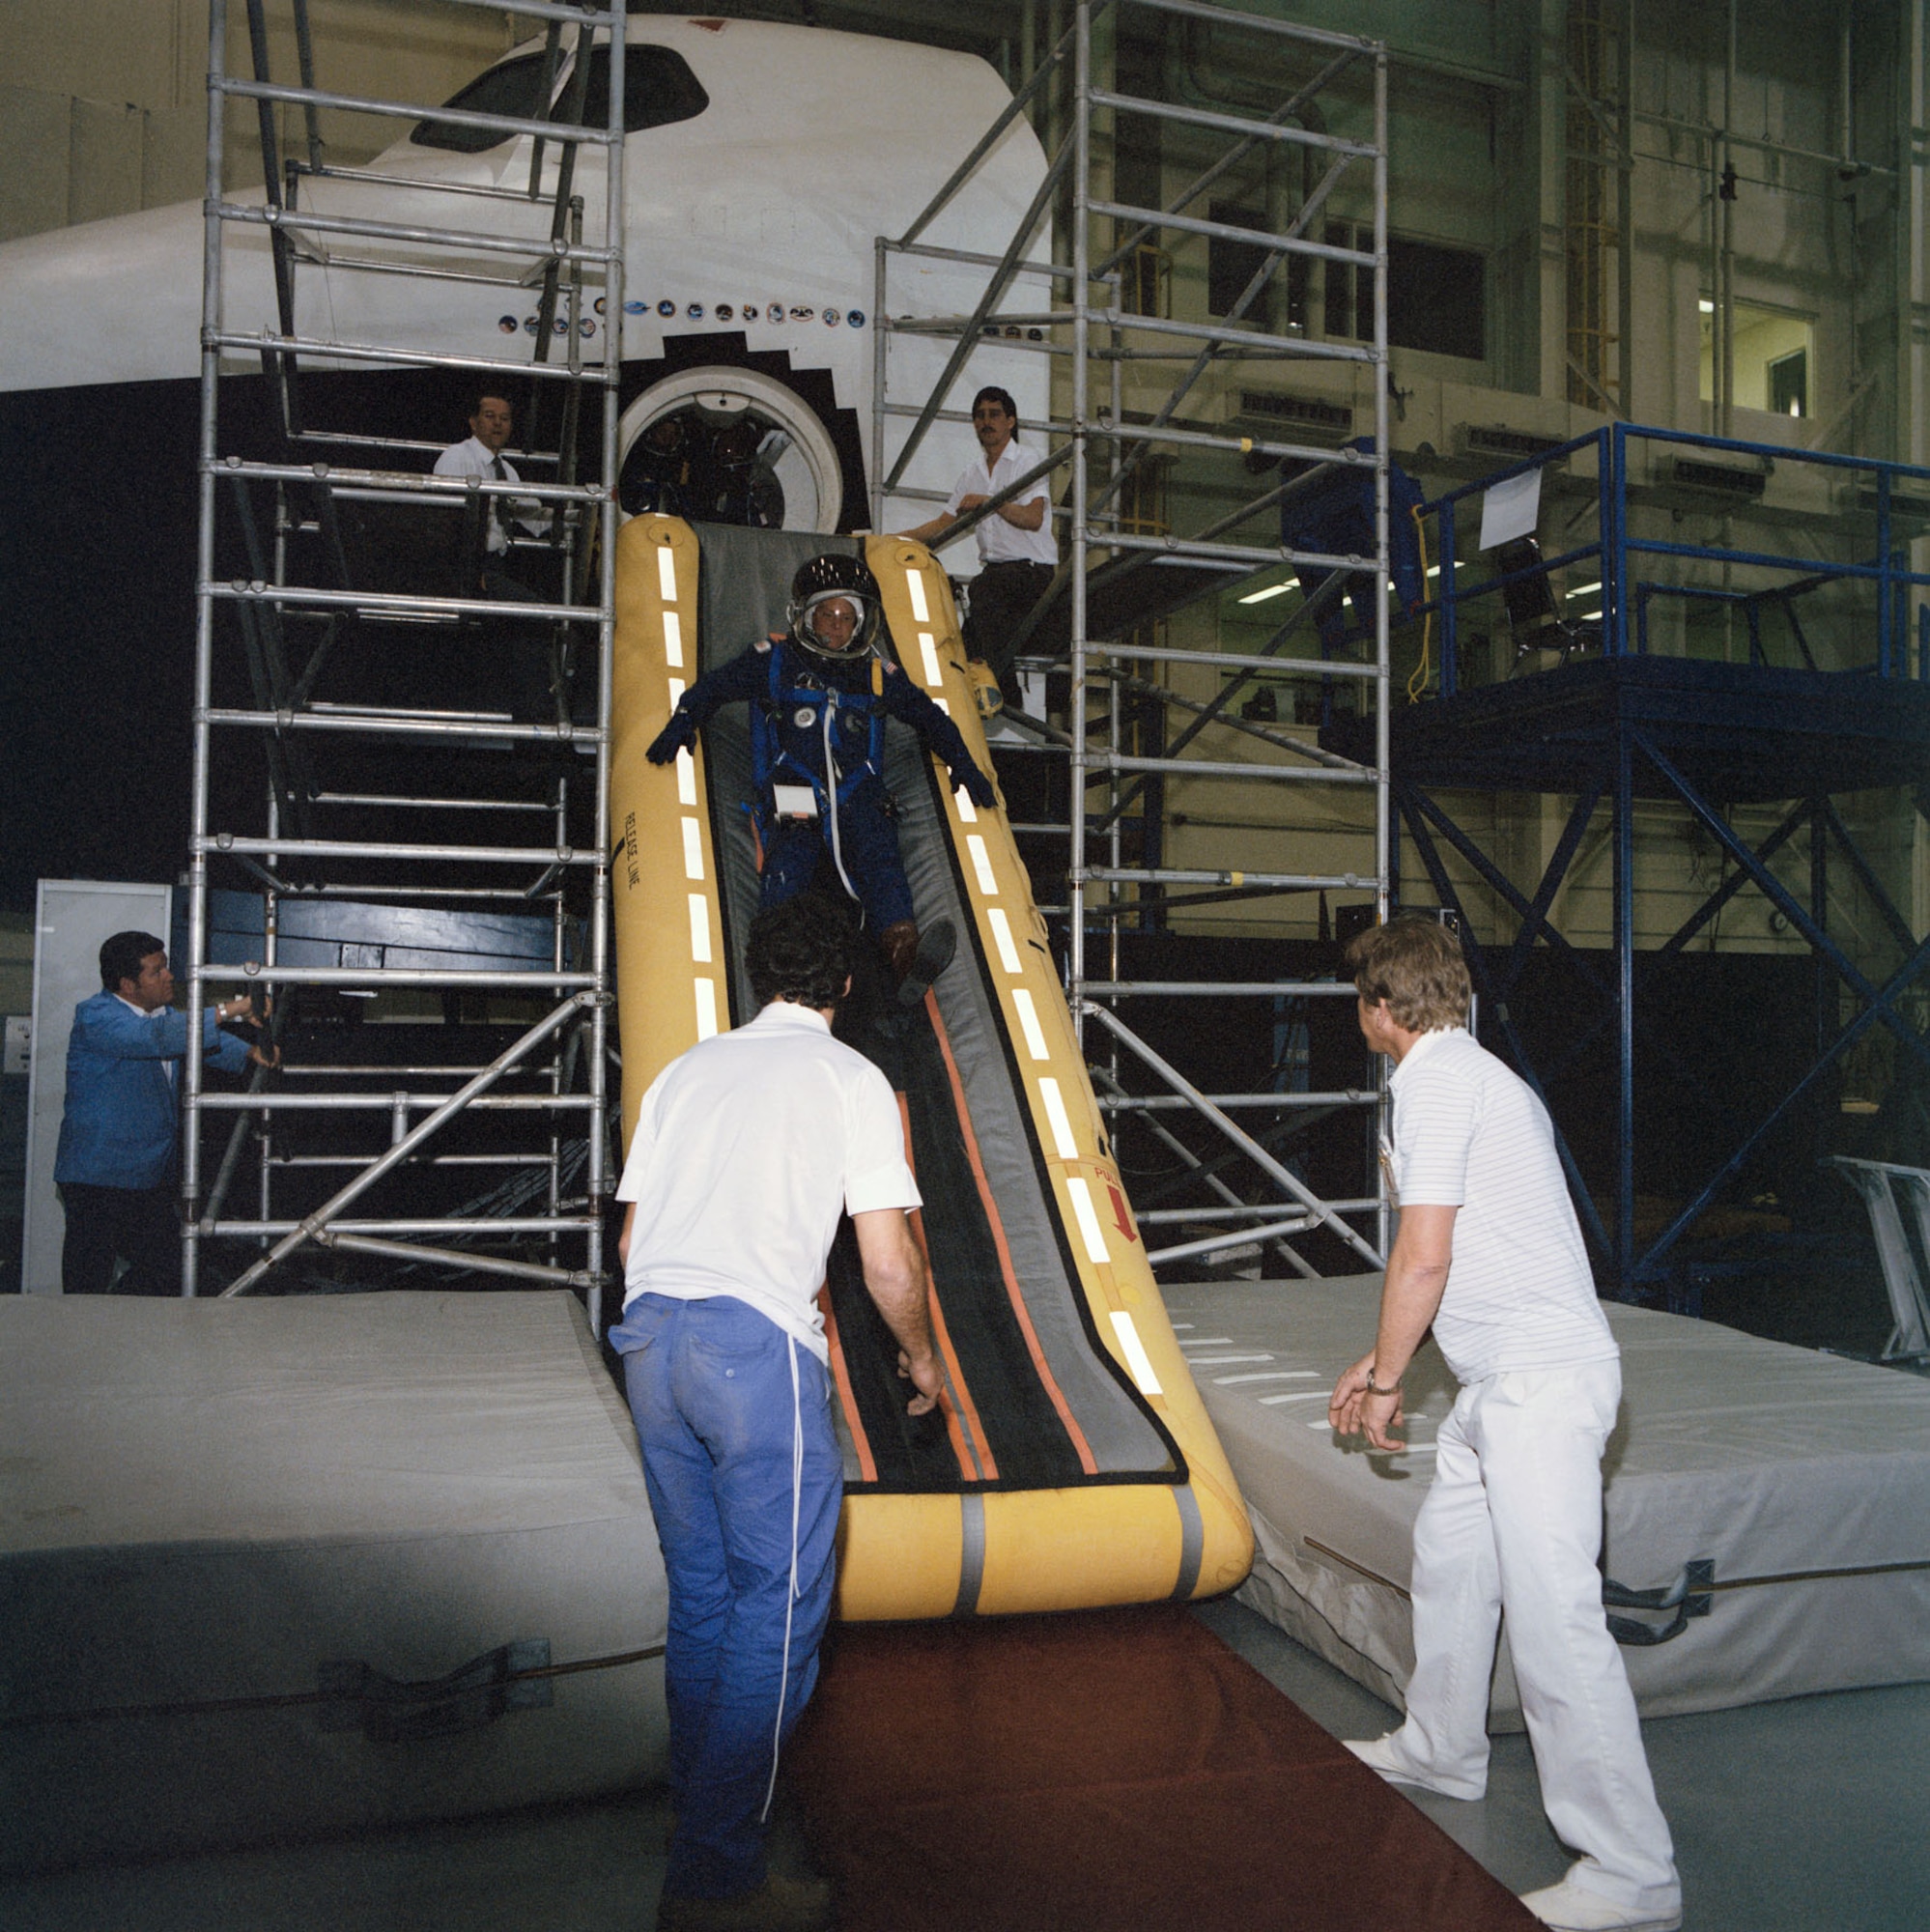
point(1104, 335)
point(417, 838)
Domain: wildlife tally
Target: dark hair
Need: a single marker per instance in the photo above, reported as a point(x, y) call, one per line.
point(1004, 399)
point(121, 956)
point(499, 390)
point(800, 950)
point(1415, 964)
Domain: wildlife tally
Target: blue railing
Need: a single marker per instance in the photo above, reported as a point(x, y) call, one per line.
point(1625, 598)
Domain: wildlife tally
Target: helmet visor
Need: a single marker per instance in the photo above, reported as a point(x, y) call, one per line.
point(831, 623)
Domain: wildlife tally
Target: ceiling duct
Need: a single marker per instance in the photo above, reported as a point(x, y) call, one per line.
point(1494, 443)
point(1908, 510)
point(1305, 419)
point(1715, 479)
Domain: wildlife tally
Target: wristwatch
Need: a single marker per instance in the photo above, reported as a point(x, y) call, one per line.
point(1372, 1388)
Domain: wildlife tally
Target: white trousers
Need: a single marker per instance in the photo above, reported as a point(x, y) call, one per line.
point(1514, 1524)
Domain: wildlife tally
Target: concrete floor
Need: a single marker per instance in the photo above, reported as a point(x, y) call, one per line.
point(1803, 1816)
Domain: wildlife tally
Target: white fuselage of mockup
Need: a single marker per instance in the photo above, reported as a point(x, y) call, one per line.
point(757, 216)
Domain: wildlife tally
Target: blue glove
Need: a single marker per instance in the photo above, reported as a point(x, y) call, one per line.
point(678, 735)
point(976, 786)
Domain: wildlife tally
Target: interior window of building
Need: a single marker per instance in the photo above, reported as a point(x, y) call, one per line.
point(1773, 358)
point(1437, 296)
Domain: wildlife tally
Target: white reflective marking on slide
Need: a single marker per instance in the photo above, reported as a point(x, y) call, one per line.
point(1137, 1359)
point(1002, 938)
point(1087, 1216)
point(1061, 1123)
point(1034, 1034)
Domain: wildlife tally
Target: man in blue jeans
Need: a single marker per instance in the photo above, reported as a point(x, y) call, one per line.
point(114, 1166)
point(746, 1150)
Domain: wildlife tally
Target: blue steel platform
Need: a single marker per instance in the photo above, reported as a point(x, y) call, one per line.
point(1740, 733)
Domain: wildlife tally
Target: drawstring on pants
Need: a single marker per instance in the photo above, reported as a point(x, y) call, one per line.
point(790, 1595)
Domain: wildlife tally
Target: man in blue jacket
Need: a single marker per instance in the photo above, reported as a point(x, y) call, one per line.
point(115, 1167)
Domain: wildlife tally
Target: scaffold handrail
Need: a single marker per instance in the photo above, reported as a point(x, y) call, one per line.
point(1232, 660)
point(386, 1102)
point(1225, 990)
point(1175, 1104)
point(405, 724)
point(312, 222)
point(566, 13)
point(222, 843)
point(1231, 768)
point(269, 342)
point(1292, 347)
point(397, 110)
point(392, 486)
point(1232, 124)
point(1289, 30)
point(407, 601)
point(1228, 231)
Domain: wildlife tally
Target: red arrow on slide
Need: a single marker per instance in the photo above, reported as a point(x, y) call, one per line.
point(1119, 1213)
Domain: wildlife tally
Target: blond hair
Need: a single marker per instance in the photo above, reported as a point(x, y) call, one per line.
point(1415, 964)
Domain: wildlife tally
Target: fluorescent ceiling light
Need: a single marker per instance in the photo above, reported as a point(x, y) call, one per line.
point(1588, 616)
point(1706, 307)
point(1271, 590)
point(1586, 589)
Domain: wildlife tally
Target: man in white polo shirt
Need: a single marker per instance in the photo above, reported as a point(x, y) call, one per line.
point(1489, 1253)
point(1017, 547)
point(746, 1150)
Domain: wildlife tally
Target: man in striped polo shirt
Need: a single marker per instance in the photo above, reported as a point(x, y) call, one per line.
point(1489, 1253)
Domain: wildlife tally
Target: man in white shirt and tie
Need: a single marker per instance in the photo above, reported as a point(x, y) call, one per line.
point(480, 454)
point(524, 675)
point(1016, 548)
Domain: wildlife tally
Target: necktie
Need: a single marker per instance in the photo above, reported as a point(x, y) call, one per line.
point(500, 505)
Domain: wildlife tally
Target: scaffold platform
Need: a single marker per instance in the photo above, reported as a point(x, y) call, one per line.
point(1740, 733)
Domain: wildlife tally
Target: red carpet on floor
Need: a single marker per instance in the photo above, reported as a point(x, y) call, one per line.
point(1115, 1770)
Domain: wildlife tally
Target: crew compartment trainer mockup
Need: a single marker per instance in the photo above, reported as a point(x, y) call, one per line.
point(760, 166)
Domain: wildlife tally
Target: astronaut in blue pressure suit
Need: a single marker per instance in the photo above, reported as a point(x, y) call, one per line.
point(115, 1165)
point(818, 699)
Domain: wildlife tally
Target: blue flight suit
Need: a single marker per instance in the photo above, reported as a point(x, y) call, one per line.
point(797, 700)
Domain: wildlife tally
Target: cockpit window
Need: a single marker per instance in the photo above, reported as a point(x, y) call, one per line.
point(659, 88)
point(513, 87)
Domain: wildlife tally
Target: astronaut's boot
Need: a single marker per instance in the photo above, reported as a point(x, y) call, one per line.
point(918, 958)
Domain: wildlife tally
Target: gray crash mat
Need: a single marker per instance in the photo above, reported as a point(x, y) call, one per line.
point(241, 1542)
point(1800, 1480)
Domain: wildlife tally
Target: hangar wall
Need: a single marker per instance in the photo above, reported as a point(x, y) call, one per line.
point(104, 108)
point(1820, 234)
